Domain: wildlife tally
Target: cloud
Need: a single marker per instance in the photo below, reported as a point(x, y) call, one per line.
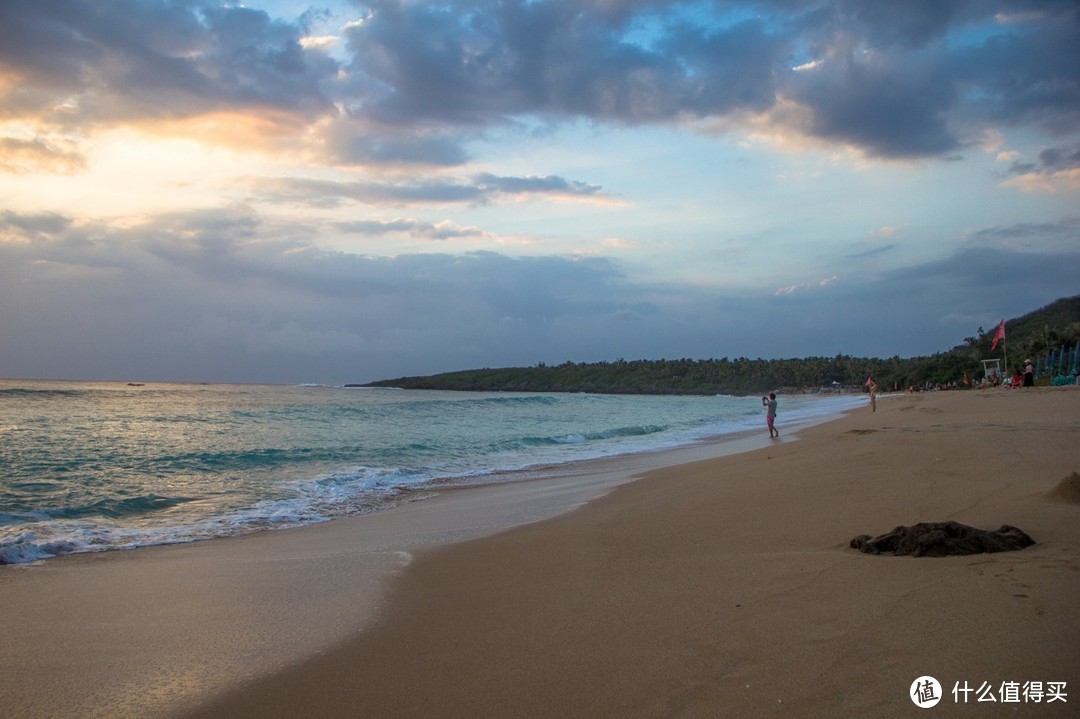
point(481, 189)
point(412, 228)
point(1020, 75)
point(24, 228)
point(366, 130)
point(1058, 168)
point(412, 83)
point(38, 155)
point(329, 193)
point(224, 291)
point(1056, 159)
point(550, 186)
point(133, 61)
point(480, 64)
point(887, 102)
point(230, 295)
point(351, 140)
point(882, 78)
point(1032, 238)
point(873, 252)
point(792, 289)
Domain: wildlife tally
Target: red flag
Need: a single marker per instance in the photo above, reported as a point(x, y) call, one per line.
point(998, 336)
point(966, 380)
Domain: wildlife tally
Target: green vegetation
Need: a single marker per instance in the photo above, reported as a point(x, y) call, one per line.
point(1029, 335)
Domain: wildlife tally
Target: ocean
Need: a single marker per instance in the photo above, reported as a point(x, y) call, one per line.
point(98, 466)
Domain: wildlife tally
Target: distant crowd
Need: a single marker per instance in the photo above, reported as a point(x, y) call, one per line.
point(1026, 378)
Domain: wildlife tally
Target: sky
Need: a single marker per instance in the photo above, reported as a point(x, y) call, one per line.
point(335, 191)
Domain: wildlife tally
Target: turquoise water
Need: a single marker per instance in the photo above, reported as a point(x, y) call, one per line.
point(100, 466)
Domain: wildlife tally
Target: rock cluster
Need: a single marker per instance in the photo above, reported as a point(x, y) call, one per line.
point(942, 539)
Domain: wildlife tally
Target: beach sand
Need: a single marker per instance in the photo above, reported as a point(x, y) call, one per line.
point(719, 587)
point(727, 587)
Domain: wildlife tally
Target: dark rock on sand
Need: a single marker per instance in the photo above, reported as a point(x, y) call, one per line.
point(942, 539)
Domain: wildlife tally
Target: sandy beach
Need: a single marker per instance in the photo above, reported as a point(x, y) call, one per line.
point(718, 587)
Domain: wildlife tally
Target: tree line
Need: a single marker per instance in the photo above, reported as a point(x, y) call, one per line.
point(1055, 324)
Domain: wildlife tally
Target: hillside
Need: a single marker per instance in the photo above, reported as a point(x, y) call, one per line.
point(1029, 335)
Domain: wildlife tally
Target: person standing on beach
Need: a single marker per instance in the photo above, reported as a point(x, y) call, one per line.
point(873, 395)
point(770, 413)
point(1029, 374)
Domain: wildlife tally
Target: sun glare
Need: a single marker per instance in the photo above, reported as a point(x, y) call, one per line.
point(130, 173)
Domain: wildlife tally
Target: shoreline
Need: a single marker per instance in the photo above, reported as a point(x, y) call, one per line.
point(678, 594)
point(160, 629)
point(671, 593)
point(285, 488)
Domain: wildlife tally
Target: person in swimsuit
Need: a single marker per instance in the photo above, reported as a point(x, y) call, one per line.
point(770, 413)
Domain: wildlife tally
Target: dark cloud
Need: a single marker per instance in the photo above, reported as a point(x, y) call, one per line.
point(1051, 160)
point(549, 185)
point(211, 302)
point(885, 24)
point(889, 104)
point(895, 79)
point(1036, 238)
point(1027, 73)
point(481, 189)
point(26, 227)
point(353, 141)
point(227, 295)
point(1055, 159)
point(985, 282)
point(874, 252)
point(419, 80)
point(478, 63)
point(126, 60)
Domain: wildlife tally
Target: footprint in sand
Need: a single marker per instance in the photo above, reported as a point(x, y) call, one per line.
point(1017, 589)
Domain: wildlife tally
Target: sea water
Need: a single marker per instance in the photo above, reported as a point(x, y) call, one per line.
point(105, 466)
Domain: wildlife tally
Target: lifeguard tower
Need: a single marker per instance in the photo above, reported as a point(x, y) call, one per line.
point(991, 370)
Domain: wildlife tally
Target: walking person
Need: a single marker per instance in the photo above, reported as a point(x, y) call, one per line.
point(770, 413)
